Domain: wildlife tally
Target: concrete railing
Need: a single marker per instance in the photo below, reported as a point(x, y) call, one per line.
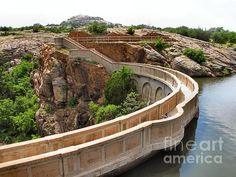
point(115, 38)
point(101, 148)
point(54, 142)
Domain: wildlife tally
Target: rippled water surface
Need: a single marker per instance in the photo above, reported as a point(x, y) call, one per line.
point(217, 119)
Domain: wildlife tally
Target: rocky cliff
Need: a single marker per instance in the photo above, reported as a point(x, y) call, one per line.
point(64, 87)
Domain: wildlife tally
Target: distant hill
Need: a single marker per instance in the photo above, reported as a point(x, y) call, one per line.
point(81, 20)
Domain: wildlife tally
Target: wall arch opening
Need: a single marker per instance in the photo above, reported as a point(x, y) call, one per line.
point(146, 92)
point(159, 94)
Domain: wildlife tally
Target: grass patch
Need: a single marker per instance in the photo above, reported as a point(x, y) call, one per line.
point(195, 54)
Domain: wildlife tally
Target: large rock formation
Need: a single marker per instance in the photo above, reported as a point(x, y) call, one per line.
point(81, 20)
point(65, 86)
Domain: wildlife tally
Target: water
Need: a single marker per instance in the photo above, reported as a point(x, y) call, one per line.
point(217, 118)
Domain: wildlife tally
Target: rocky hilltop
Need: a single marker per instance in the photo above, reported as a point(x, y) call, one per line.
point(81, 20)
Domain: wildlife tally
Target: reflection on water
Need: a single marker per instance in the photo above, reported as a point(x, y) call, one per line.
point(217, 118)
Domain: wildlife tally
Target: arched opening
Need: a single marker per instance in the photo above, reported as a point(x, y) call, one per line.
point(146, 92)
point(159, 94)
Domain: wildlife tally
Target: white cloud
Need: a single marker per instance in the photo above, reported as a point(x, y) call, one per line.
point(193, 13)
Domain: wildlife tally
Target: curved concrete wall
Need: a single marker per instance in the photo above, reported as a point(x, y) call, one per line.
point(99, 149)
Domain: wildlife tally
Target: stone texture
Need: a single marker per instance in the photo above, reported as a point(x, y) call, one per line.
point(60, 79)
point(12, 48)
point(190, 67)
point(154, 56)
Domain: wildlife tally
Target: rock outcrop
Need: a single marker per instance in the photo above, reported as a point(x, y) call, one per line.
point(65, 86)
point(12, 48)
point(10, 51)
point(81, 20)
point(188, 66)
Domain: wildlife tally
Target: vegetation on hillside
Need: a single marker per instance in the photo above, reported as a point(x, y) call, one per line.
point(97, 28)
point(5, 31)
point(18, 102)
point(131, 30)
point(160, 44)
point(120, 84)
point(217, 35)
point(121, 97)
point(107, 112)
point(195, 54)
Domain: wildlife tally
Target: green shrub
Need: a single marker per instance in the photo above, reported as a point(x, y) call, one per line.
point(219, 37)
point(73, 101)
point(93, 108)
point(132, 103)
point(6, 30)
point(24, 122)
point(226, 71)
point(195, 54)
point(160, 44)
point(197, 33)
point(37, 28)
point(27, 57)
point(103, 113)
point(120, 84)
point(97, 28)
point(131, 30)
point(107, 112)
point(58, 29)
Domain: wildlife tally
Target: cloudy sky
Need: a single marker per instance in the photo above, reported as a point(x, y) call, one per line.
point(161, 13)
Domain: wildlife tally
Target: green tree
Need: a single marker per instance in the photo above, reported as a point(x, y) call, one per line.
point(131, 30)
point(93, 108)
point(132, 103)
point(120, 84)
point(18, 102)
point(219, 37)
point(105, 113)
point(7, 110)
point(6, 30)
point(37, 27)
point(97, 28)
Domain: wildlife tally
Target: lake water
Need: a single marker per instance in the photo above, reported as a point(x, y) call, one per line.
point(217, 121)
